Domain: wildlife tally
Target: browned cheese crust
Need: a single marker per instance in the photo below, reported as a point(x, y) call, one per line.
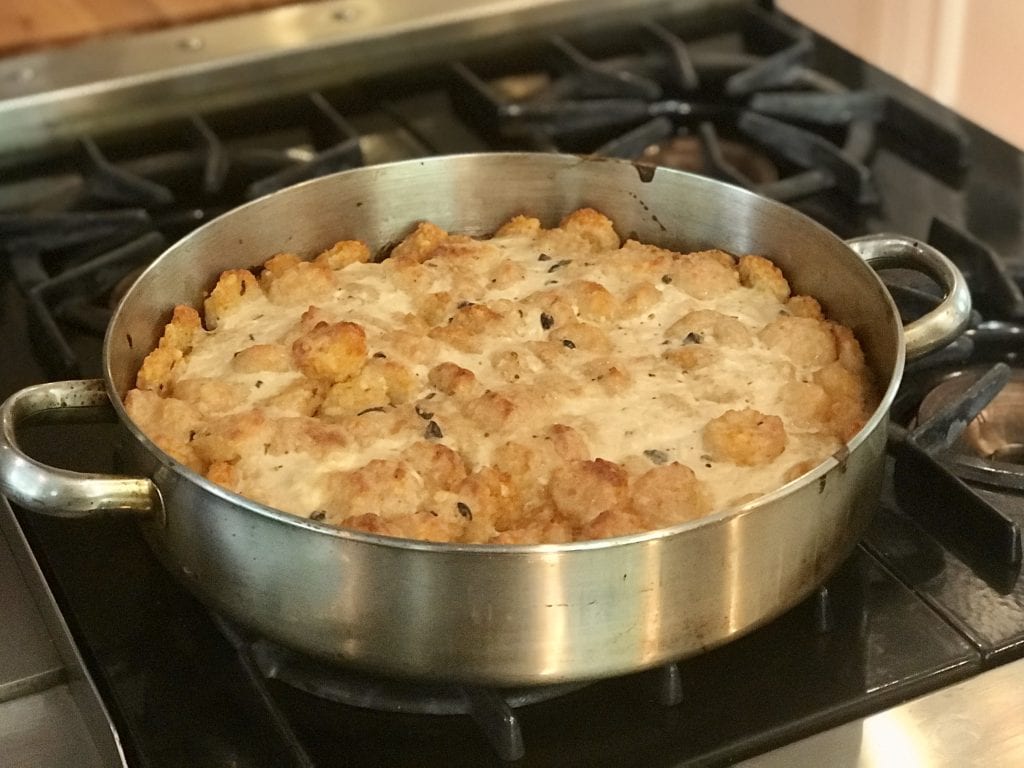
point(540, 385)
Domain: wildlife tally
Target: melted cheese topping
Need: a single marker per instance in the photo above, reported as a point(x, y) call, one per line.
point(559, 330)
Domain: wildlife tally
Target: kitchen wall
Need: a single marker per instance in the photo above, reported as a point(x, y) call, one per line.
point(964, 53)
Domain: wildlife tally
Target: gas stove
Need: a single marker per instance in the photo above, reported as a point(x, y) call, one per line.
point(930, 597)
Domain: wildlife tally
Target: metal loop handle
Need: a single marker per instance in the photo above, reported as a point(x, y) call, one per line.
point(61, 492)
point(948, 320)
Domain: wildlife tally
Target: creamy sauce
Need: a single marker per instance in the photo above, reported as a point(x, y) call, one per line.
point(663, 409)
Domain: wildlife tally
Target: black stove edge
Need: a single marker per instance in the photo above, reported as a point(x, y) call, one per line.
point(830, 717)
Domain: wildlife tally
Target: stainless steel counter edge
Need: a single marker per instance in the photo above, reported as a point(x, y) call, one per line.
point(67, 723)
point(128, 79)
point(978, 722)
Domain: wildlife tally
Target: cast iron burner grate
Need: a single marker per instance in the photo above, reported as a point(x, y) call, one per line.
point(108, 207)
point(757, 114)
point(979, 532)
point(75, 227)
point(493, 710)
point(744, 116)
point(991, 448)
point(930, 469)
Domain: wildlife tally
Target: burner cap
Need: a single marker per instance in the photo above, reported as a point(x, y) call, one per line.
point(997, 434)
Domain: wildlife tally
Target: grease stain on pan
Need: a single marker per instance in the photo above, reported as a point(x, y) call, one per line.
point(645, 172)
point(647, 208)
point(842, 457)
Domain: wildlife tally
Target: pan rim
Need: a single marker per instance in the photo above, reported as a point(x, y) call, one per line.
point(555, 161)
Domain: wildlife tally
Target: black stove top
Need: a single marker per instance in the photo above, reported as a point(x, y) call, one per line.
point(743, 95)
point(185, 697)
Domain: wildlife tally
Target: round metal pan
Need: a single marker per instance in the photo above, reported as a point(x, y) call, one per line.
point(490, 614)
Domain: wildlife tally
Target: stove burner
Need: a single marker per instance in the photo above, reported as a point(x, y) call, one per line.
point(932, 486)
point(994, 439)
point(492, 709)
point(687, 153)
point(368, 691)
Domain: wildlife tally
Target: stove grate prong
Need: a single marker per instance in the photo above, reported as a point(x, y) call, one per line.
point(861, 140)
point(993, 290)
point(497, 721)
point(48, 232)
point(632, 143)
point(588, 78)
point(580, 115)
point(338, 149)
point(108, 182)
point(670, 685)
point(779, 70)
point(215, 156)
point(944, 427)
point(797, 186)
point(715, 160)
point(682, 72)
point(820, 108)
point(942, 503)
point(956, 353)
point(824, 611)
point(809, 150)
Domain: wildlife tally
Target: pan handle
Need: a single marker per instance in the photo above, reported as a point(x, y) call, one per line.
point(61, 492)
point(950, 318)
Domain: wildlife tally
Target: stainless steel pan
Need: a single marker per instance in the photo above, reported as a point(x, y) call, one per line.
point(500, 615)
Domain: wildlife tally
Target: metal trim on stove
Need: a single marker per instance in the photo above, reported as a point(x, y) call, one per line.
point(54, 95)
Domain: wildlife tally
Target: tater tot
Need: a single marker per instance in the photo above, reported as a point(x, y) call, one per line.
point(582, 490)
point(307, 281)
point(803, 340)
point(709, 326)
point(233, 288)
point(592, 226)
point(343, 254)
point(703, 276)
point(334, 351)
point(383, 487)
point(746, 437)
point(420, 243)
point(760, 274)
point(262, 357)
point(545, 384)
point(669, 494)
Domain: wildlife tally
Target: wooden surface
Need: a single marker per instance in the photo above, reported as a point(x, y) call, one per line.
point(27, 25)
